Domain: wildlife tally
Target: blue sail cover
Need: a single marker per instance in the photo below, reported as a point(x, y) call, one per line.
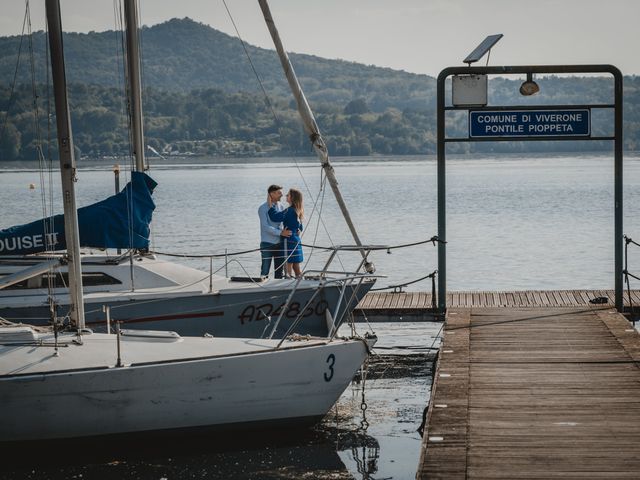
point(120, 221)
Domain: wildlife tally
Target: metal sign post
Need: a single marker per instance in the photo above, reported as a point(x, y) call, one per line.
point(529, 123)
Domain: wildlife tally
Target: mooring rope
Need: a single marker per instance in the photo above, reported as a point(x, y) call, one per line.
point(628, 241)
point(432, 275)
point(434, 366)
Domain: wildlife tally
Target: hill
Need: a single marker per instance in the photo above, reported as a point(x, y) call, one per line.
point(183, 55)
point(202, 97)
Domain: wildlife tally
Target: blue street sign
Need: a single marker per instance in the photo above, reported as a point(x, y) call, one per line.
point(530, 123)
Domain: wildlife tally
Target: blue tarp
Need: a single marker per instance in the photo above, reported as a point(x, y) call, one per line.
point(120, 221)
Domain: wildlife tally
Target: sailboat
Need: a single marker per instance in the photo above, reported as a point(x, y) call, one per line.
point(170, 296)
point(145, 292)
point(138, 381)
point(164, 382)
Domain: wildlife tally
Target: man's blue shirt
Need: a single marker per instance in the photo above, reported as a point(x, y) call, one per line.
point(269, 230)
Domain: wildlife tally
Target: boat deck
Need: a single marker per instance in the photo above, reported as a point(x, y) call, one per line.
point(24, 352)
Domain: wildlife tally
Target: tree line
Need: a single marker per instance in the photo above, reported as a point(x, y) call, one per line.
point(214, 122)
point(201, 97)
point(206, 122)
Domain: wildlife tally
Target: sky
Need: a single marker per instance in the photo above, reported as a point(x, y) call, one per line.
point(419, 36)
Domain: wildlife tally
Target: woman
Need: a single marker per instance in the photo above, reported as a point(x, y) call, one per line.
point(291, 219)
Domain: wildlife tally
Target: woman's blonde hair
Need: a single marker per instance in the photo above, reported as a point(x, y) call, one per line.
point(296, 202)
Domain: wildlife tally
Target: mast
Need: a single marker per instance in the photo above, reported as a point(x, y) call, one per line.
point(67, 163)
point(311, 127)
point(134, 90)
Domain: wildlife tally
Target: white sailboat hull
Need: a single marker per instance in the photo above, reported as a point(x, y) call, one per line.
point(169, 296)
point(248, 383)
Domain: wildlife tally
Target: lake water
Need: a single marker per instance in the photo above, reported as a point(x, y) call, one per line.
point(541, 222)
point(513, 223)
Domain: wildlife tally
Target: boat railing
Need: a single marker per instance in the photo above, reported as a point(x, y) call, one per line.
point(233, 257)
point(341, 308)
point(350, 283)
point(229, 258)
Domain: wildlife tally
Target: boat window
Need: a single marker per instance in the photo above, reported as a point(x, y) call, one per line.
point(92, 279)
point(89, 279)
point(33, 282)
point(61, 280)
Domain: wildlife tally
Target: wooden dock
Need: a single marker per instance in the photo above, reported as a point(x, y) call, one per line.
point(535, 393)
point(415, 306)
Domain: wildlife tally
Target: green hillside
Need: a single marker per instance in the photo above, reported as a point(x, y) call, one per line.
point(182, 55)
point(202, 97)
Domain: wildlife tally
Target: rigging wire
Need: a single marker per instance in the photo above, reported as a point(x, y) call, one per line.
point(50, 248)
point(36, 119)
point(119, 60)
point(38, 141)
point(128, 91)
point(323, 189)
point(123, 79)
point(275, 116)
point(120, 27)
point(15, 74)
point(317, 247)
point(147, 166)
point(34, 90)
point(144, 96)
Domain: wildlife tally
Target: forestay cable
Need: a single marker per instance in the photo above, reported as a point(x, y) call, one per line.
point(275, 117)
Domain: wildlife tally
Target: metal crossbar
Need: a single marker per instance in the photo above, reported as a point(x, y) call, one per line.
point(443, 140)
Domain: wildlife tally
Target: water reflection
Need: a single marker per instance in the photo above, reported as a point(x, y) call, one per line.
point(395, 394)
point(265, 455)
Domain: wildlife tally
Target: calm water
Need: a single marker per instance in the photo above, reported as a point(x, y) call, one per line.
point(513, 223)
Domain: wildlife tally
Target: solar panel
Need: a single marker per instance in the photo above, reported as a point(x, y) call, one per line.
point(483, 48)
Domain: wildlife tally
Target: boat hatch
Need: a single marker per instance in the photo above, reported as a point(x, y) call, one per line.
point(17, 334)
point(248, 279)
point(150, 335)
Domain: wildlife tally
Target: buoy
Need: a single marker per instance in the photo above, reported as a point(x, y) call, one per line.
point(32, 186)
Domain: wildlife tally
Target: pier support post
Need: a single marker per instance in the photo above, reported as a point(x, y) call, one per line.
point(442, 198)
point(618, 229)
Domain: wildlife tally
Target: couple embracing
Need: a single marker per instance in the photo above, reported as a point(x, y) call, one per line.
point(280, 229)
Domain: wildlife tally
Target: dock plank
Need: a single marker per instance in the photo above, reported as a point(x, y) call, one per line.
point(486, 299)
point(548, 392)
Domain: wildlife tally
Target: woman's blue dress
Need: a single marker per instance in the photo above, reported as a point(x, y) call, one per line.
point(290, 220)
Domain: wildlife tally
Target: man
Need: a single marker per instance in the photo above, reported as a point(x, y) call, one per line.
point(271, 235)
